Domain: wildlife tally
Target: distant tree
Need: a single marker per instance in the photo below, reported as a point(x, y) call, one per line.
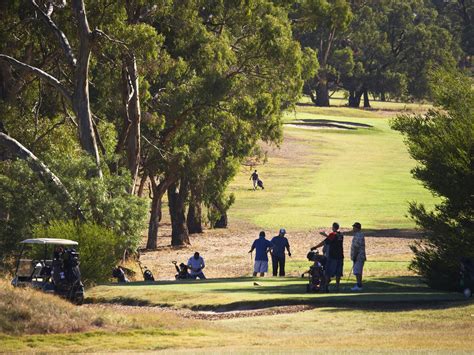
point(395, 44)
point(442, 142)
point(457, 16)
point(321, 25)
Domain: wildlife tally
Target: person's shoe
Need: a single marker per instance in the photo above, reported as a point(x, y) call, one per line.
point(356, 288)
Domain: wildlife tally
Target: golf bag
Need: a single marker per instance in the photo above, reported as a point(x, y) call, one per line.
point(182, 271)
point(316, 274)
point(119, 274)
point(260, 184)
point(67, 276)
point(148, 275)
point(467, 276)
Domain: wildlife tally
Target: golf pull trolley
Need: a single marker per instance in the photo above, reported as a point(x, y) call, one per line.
point(316, 272)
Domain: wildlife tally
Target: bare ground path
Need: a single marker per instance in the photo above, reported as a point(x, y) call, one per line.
point(226, 250)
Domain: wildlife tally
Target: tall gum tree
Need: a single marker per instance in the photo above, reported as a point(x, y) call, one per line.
point(76, 93)
point(320, 24)
point(236, 69)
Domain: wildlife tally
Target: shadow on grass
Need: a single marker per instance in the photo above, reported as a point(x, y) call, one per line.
point(390, 294)
point(394, 233)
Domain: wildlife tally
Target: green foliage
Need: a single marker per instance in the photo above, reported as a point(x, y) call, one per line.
point(106, 202)
point(99, 248)
point(442, 141)
point(395, 45)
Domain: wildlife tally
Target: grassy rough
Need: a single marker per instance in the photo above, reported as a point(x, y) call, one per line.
point(27, 311)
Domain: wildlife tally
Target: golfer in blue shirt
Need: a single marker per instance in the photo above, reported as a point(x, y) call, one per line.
point(262, 247)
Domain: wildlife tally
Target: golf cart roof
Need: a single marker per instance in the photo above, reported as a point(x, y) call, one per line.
point(54, 241)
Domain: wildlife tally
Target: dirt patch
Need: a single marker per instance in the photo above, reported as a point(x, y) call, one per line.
point(226, 250)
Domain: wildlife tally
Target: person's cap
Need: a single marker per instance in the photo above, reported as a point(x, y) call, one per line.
point(262, 234)
point(336, 225)
point(357, 225)
point(282, 231)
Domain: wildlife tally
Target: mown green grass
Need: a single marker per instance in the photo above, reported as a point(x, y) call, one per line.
point(229, 294)
point(325, 175)
point(393, 313)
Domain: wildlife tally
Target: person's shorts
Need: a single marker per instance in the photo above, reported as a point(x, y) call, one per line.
point(358, 267)
point(334, 267)
point(260, 266)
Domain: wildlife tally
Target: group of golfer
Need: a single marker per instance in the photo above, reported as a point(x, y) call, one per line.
point(332, 250)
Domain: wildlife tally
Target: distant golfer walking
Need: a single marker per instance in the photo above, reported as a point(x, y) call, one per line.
point(280, 242)
point(254, 178)
point(358, 254)
point(263, 247)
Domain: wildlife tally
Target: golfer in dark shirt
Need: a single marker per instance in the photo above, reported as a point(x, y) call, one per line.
point(335, 255)
point(278, 254)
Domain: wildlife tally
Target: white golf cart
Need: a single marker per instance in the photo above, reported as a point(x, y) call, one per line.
point(51, 265)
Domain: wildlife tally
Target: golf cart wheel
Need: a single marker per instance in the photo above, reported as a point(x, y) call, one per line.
point(467, 292)
point(79, 300)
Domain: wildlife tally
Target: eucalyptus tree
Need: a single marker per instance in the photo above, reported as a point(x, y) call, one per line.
point(395, 44)
point(322, 25)
point(236, 67)
point(76, 61)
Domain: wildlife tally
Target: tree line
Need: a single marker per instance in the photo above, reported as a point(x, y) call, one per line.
point(104, 101)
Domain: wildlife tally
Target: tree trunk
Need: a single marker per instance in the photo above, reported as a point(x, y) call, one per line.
point(176, 199)
point(142, 185)
point(354, 98)
point(222, 221)
point(10, 148)
point(133, 138)
point(153, 225)
point(382, 96)
point(158, 190)
point(366, 99)
point(80, 96)
point(322, 91)
point(194, 219)
point(130, 136)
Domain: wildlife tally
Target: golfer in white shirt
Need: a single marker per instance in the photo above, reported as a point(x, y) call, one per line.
point(195, 265)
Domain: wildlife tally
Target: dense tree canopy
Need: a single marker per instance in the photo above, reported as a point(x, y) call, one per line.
point(100, 99)
point(442, 142)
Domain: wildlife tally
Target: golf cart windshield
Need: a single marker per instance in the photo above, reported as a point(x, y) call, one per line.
point(34, 263)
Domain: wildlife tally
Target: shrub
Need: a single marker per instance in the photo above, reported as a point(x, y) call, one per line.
point(99, 248)
point(442, 142)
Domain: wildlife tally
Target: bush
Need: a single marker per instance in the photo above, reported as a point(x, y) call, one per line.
point(99, 248)
point(442, 142)
point(104, 202)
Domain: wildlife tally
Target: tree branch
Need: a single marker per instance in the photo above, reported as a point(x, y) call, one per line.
point(39, 73)
point(11, 148)
point(61, 36)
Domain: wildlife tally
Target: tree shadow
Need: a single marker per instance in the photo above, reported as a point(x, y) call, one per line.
point(394, 233)
point(386, 294)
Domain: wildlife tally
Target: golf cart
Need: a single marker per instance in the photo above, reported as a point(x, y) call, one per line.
point(50, 265)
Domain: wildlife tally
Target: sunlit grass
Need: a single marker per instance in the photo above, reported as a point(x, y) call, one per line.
point(326, 175)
